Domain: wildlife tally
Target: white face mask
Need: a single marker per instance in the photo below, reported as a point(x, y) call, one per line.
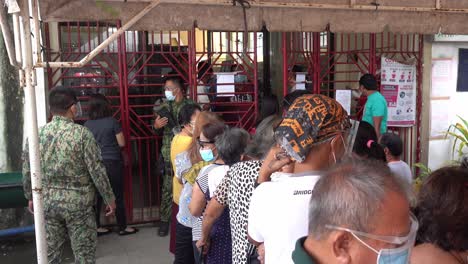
point(169, 95)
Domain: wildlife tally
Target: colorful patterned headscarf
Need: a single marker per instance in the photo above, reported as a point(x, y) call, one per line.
point(311, 119)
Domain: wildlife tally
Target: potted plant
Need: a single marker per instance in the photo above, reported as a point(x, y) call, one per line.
point(423, 172)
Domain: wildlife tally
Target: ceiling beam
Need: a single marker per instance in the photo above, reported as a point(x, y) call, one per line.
point(437, 8)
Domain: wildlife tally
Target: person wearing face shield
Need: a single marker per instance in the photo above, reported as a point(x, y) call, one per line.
point(167, 121)
point(359, 212)
point(310, 139)
point(73, 170)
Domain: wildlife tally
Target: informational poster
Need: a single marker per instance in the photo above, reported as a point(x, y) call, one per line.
point(398, 86)
point(441, 77)
point(344, 98)
point(225, 84)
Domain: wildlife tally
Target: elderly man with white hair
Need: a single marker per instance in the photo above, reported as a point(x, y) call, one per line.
point(359, 213)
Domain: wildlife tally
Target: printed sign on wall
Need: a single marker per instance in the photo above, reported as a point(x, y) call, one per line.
point(398, 86)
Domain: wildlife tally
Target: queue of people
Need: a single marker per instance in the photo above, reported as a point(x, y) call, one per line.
point(297, 191)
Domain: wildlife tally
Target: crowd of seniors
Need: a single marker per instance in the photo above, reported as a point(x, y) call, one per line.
point(302, 189)
point(297, 191)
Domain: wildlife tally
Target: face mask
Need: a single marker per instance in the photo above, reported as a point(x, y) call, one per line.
point(399, 255)
point(207, 154)
point(169, 95)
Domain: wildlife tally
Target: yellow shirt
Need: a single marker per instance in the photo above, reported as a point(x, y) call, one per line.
point(180, 143)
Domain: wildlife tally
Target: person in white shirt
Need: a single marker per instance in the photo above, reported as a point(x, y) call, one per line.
point(310, 138)
point(393, 148)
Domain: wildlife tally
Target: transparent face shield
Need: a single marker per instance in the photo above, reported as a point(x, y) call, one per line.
point(352, 136)
point(340, 136)
point(396, 255)
point(79, 110)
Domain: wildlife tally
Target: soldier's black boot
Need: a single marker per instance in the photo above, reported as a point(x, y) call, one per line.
point(163, 229)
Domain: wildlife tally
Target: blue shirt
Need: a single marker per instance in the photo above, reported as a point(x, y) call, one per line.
point(376, 106)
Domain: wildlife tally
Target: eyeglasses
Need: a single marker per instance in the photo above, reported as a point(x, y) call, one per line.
point(204, 143)
point(397, 240)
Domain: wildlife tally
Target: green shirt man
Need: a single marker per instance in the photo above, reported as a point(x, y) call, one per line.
point(299, 255)
point(375, 110)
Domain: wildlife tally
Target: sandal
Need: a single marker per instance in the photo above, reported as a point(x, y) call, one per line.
point(103, 231)
point(126, 232)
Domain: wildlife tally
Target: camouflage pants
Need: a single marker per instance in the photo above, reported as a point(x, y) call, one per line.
point(79, 225)
point(166, 201)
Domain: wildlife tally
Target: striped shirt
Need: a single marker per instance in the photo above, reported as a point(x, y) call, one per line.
point(202, 181)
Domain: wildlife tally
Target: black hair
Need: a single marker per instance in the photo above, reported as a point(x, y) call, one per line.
point(61, 99)
point(289, 99)
point(393, 143)
point(204, 69)
point(99, 107)
point(464, 162)
point(186, 113)
point(269, 106)
point(177, 80)
point(442, 209)
point(296, 68)
point(368, 81)
point(366, 144)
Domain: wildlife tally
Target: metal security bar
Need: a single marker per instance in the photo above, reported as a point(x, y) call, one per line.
point(337, 61)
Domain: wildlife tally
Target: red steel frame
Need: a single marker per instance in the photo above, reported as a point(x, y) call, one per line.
point(129, 74)
point(338, 60)
point(240, 112)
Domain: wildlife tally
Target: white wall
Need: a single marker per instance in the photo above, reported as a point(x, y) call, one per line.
point(440, 150)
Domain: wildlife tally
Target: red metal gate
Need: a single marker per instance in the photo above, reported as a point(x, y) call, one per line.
point(218, 52)
point(336, 61)
point(130, 73)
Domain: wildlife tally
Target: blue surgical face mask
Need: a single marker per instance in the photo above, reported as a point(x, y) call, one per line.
point(169, 95)
point(207, 154)
point(400, 255)
point(397, 255)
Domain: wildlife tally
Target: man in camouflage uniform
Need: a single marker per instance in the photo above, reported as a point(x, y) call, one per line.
point(72, 170)
point(167, 119)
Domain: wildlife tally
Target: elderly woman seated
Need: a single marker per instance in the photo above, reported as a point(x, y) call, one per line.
point(443, 212)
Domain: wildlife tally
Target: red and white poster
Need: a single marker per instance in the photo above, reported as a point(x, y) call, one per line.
point(398, 86)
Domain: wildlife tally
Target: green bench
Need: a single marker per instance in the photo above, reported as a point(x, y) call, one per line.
point(11, 190)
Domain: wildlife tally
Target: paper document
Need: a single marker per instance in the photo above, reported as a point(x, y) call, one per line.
point(225, 86)
point(301, 80)
point(344, 98)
